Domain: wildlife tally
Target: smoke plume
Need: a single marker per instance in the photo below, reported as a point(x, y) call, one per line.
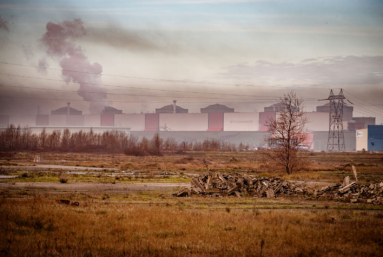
point(4, 24)
point(76, 67)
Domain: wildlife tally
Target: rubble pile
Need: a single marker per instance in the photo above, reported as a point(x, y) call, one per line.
point(371, 193)
point(217, 184)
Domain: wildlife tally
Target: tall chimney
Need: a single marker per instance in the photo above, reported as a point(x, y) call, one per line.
point(174, 106)
point(68, 109)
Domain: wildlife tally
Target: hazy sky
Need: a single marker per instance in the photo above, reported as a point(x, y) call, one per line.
point(244, 54)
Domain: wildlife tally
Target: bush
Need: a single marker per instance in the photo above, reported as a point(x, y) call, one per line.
point(135, 151)
point(63, 179)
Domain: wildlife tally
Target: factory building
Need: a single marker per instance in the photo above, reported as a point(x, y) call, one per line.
point(172, 108)
point(214, 121)
point(67, 110)
point(111, 110)
point(4, 121)
point(183, 121)
point(347, 110)
point(364, 120)
point(278, 107)
point(317, 121)
point(217, 108)
point(264, 117)
point(370, 139)
point(136, 122)
point(243, 121)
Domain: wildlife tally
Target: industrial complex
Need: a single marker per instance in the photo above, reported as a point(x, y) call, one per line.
point(214, 121)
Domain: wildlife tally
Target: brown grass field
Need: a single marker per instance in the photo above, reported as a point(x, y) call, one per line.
point(121, 218)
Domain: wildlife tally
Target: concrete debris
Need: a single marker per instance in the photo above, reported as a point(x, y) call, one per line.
point(220, 184)
point(354, 192)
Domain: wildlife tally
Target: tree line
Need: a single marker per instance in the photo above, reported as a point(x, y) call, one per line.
point(22, 139)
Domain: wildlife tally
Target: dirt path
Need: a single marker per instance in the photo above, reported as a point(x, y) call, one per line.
point(83, 187)
point(61, 167)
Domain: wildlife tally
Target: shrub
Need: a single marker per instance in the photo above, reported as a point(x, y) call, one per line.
point(135, 151)
point(63, 179)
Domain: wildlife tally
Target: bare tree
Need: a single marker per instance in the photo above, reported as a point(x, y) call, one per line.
point(286, 133)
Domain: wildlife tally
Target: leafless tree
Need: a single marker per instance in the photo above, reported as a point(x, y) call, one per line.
point(286, 133)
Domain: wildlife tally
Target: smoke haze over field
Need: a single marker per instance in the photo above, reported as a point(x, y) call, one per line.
point(140, 55)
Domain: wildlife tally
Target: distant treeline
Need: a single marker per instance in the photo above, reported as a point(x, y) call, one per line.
point(17, 139)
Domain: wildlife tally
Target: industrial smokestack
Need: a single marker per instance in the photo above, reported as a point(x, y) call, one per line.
point(68, 109)
point(174, 106)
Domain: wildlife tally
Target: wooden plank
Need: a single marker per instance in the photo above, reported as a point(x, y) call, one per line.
point(345, 189)
point(346, 181)
point(208, 182)
point(232, 189)
point(355, 174)
point(196, 183)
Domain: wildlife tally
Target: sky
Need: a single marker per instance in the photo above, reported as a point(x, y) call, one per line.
point(141, 55)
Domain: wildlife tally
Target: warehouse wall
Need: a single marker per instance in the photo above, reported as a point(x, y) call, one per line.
point(361, 139)
point(75, 120)
point(375, 137)
point(98, 129)
point(136, 122)
point(246, 121)
point(23, 120)
point(365, 120)
point(107, 119)
point(317, 121)
point(263, 118)
point(42, 120)
point(215, 121)
point(4, 120)
point(321, 137)
point(57, 120)
point(152, 121)
point(92, 120)
point(183, 121)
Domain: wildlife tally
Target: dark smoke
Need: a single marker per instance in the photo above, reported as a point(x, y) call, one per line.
point(75, 65)
point(4, 24)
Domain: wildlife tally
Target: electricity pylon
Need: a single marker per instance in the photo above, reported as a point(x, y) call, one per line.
point(335, 142)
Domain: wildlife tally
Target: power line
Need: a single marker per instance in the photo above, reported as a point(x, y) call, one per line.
point(174, 91)
point(362, 99)
point(365, 109)
point(92, 92)
point(369, 112)
point(146, 78)
point(124, 101)
point(131, 77)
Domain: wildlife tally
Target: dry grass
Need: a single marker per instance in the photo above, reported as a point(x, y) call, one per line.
point(323, 166)
point(43, 227)
point(118, 222)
